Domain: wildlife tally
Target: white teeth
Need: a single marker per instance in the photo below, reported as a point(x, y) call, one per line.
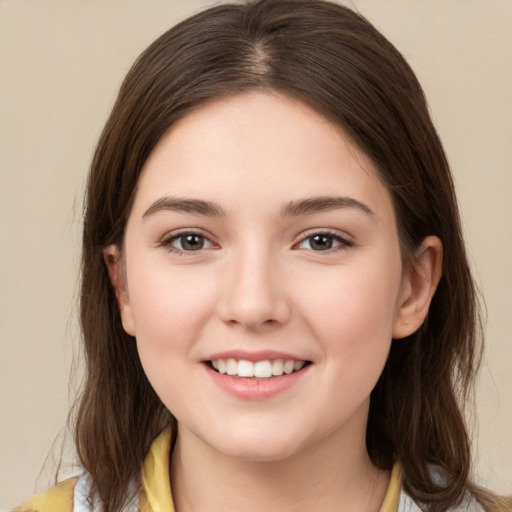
point(245, 368)
point(260, 369)
point(231, 367)
point(288, 367)
point(298, 365)
point(263, 369)
point(277, 367)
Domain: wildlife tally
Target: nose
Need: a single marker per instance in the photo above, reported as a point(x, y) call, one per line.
point(253, 292)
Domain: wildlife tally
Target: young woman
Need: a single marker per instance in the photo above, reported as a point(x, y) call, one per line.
point(276, 304)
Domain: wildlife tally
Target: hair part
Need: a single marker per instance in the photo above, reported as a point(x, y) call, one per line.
point(336, 62)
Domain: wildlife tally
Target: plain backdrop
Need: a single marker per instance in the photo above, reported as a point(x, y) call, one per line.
point(61, 63)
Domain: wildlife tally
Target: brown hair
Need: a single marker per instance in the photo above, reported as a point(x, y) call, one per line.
point(335, 61)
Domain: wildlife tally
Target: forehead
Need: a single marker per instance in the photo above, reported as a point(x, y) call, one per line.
point(259, 148)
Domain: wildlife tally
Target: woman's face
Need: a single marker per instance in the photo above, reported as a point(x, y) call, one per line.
point(261, 240)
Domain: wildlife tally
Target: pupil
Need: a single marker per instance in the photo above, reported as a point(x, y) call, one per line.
point(192, 242)
point(321, 242)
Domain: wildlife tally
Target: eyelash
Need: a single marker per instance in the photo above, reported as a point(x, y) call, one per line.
point(334, 237)
point(168, 241)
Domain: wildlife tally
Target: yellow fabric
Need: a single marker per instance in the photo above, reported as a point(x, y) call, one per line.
point(156, 482)
point(157, 496)
point(155, 475)
point(56, 499)
point(392, 498)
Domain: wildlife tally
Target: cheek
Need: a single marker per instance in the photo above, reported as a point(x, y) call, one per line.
point(353, 314)
point(164, 295)
point(169, 307)
point(353, 320)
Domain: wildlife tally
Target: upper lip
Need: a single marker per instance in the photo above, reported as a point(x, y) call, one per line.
point(261, 355)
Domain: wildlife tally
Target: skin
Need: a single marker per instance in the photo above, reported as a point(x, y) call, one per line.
point(259, 282)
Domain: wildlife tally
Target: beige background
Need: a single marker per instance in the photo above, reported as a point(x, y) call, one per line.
point(61, 63)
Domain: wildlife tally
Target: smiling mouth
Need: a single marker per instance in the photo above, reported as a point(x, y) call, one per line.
point(266, 369)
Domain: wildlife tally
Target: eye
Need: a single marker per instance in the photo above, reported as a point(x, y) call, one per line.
point(187, 242)
point(323, 242)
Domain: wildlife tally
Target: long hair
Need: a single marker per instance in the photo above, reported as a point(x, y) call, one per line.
point(336, 62)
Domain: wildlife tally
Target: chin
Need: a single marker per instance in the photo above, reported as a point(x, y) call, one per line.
point(257, 446)
point(258, 453)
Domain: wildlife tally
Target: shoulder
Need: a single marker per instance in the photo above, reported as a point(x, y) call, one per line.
point(71, 495)
point(486, 502)
point(469, 504)
point(58, 498)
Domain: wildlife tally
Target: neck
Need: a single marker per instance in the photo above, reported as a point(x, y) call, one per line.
point(331, 475)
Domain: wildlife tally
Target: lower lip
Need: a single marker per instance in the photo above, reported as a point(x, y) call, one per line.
point(255, 389)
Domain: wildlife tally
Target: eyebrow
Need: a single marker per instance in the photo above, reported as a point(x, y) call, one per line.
point(295, 208)
point(176, 204)
point(323, 204)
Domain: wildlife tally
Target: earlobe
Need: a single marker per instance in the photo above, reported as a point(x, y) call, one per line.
point(418, 287)
point(114, 262)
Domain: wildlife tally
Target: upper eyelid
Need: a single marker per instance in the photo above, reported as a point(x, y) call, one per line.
point(167, 241)
point(335, 233)
point(171, 235)
point(345, 241)
point(342, 235)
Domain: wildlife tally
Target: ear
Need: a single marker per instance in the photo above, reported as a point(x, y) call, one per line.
point(115, 266)
point(419, 284)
